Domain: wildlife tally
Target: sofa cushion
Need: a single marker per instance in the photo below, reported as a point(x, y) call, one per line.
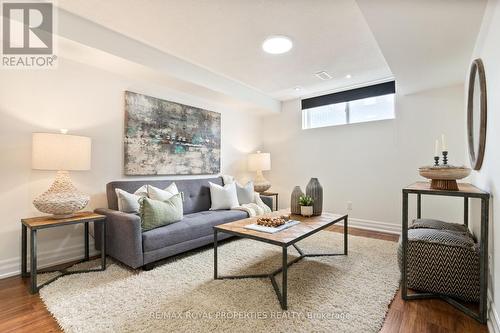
point(155, 213)
point(196, 192)
point(129, 202)
point(245, 193)
point(192, 226)
point(223, 197)
point(156, 193)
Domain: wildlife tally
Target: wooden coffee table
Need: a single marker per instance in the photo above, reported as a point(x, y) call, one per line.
point(284, 239)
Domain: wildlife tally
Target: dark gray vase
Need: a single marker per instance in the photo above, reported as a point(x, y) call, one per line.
point(294, 202)
point(315, 191)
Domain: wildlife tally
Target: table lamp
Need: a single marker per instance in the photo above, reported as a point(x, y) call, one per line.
point(62, 153)
point(259, 162)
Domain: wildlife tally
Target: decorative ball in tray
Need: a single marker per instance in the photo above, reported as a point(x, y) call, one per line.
point(273, 222)
point(444, 177)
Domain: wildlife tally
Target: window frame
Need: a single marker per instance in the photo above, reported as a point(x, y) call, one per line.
point(347, 96)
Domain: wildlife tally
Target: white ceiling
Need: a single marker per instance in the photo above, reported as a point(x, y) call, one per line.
point(427, 43)
point(225, 37)
point(84, 41)
point(216, 44)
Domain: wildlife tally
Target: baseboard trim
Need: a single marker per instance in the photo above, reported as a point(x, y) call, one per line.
point(493, 318)
point(11, 267)
point(390, 228)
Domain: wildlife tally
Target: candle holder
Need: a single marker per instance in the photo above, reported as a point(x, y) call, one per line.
point(436, 160)
point(445, 157)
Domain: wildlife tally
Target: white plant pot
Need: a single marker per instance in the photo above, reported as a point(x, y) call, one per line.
point(306, 210)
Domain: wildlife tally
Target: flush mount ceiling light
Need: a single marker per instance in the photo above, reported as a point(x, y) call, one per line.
point(277, 44)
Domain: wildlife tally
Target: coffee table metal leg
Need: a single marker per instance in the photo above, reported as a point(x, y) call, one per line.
point(33, 286)
point(345, 235)
point(284, 282)
point(215, 255)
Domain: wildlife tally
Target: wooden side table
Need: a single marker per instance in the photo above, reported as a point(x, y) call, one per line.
point(272, 194)
point(465, 191)
point(44, 222)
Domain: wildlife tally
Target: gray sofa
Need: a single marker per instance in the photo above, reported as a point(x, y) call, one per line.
point(126, 242)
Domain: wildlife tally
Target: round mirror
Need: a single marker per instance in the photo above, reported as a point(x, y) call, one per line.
point(476, 114)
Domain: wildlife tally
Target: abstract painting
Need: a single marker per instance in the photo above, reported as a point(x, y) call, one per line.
point(167, 138)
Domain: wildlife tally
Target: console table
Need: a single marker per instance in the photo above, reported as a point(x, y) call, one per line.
point(466, 191)
point(44, 222)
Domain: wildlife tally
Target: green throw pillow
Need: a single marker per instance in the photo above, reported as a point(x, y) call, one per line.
point(155, 213)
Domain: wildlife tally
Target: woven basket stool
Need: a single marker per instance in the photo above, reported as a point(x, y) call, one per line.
point(442, 258)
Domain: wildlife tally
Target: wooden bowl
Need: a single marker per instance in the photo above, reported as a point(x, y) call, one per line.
point(444, 173)
point(444, 177)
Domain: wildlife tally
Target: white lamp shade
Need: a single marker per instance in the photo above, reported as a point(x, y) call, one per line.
point(52, 151)
point(259, 162)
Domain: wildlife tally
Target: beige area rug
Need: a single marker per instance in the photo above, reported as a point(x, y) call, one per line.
point(325, 294)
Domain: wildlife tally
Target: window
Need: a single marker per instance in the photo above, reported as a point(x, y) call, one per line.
point(349, 107)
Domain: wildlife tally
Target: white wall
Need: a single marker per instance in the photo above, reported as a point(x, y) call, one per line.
point(488, 178)
point(368, 163)
point(87, 101)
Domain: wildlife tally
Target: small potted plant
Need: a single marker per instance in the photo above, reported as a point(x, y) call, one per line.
point(306, 208)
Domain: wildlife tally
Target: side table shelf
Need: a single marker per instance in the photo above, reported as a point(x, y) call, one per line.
point(45, 222)
point(466, 191)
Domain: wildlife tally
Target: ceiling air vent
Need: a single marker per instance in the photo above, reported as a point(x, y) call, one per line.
point(323, 76)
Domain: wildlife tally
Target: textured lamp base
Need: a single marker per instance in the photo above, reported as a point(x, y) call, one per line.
point(261, 184)
point(62, 199)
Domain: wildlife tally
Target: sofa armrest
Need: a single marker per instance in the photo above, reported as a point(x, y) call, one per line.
point(123, 236)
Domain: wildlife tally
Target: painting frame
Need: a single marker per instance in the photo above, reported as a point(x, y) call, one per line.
point(166, 138)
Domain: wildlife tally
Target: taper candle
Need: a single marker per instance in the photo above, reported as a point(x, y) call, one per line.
point(443, 143)
point(436, 148)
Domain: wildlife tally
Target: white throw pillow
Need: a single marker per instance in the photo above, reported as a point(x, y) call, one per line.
point(129, 202)
point(223, 197)
point(227, 179)
point(245, 193)
point(162, 195)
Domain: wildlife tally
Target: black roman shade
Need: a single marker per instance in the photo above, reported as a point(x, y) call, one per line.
point(380, 89)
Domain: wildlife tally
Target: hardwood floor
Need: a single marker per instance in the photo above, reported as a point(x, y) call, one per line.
point(420, 315)
point(22, 312)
